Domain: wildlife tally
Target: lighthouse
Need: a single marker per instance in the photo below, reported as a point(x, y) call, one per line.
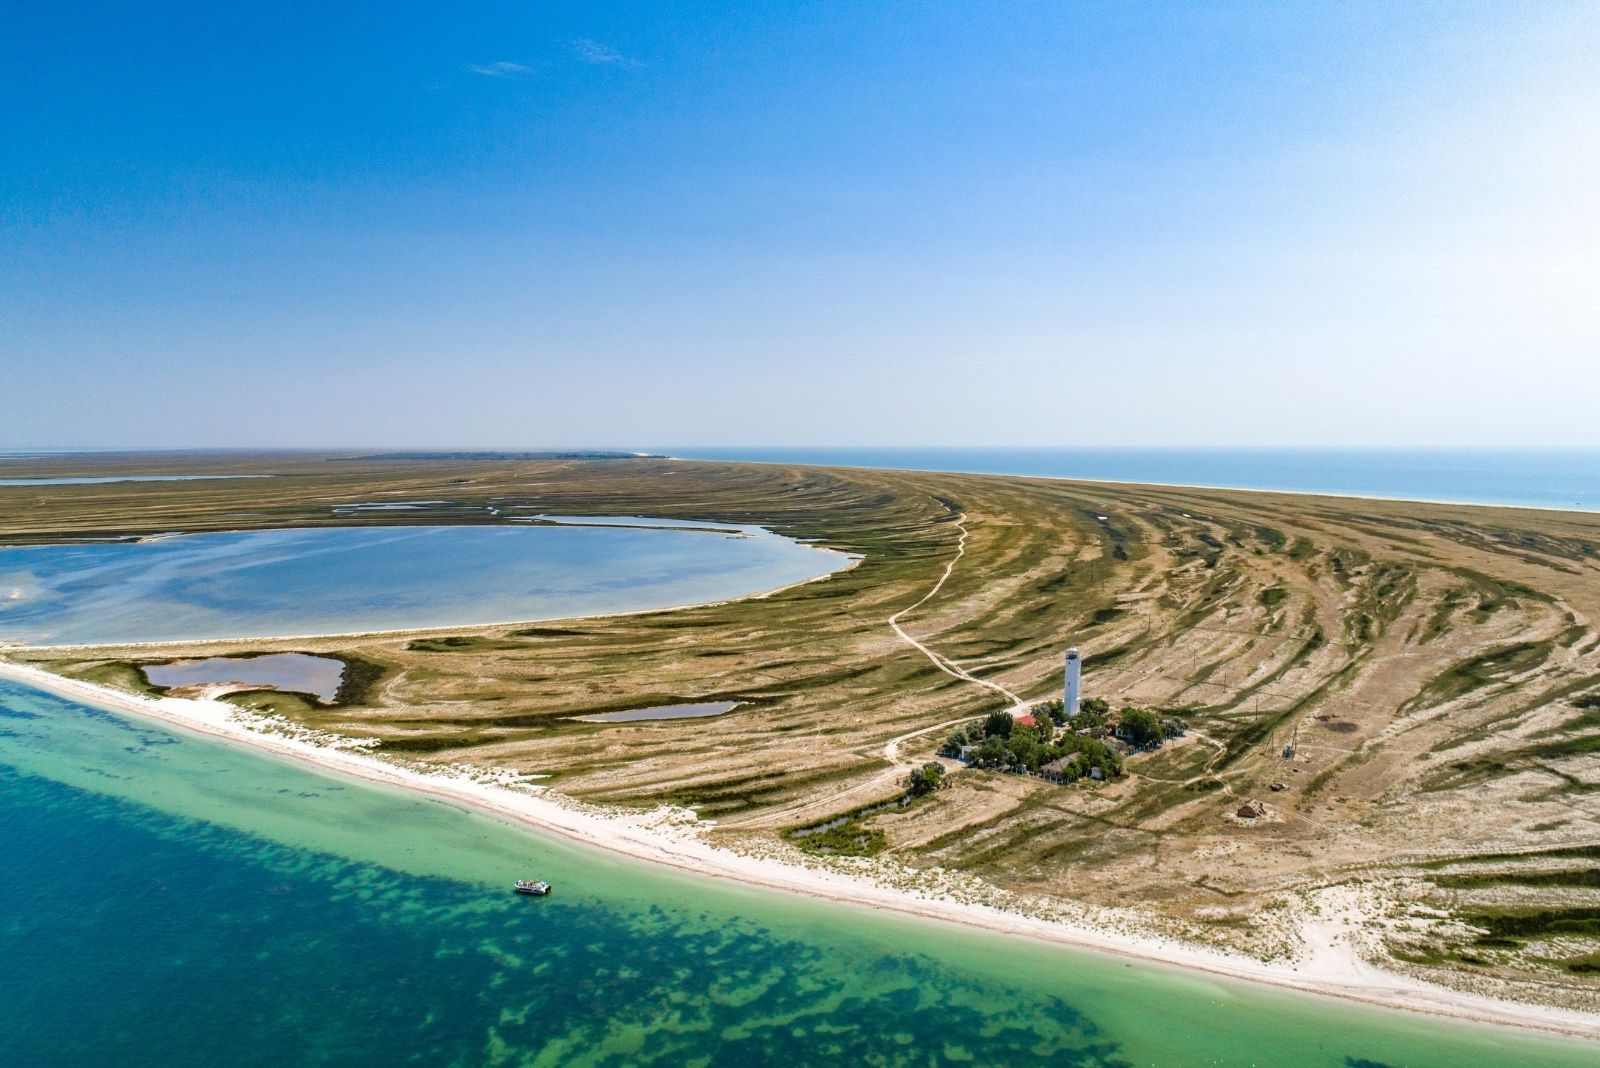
point(1074, 673)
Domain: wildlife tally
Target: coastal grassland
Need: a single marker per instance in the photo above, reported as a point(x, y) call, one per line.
point(1409, 690)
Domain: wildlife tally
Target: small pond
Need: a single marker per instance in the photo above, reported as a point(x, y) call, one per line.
point(297, 672)
point(636, 715)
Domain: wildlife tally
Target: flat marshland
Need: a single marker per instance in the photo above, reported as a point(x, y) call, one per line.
point(1410, 691)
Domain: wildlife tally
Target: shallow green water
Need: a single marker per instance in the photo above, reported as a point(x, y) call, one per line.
point(170, 900)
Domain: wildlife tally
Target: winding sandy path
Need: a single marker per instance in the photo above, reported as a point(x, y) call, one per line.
point(943, 663)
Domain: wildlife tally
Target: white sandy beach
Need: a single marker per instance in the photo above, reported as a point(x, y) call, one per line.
point(1330, 965)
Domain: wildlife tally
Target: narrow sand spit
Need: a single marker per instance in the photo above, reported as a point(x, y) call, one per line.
point(676, 838)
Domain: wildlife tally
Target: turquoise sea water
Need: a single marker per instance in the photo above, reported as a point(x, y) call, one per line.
point(332, 580)
point(1542, 478)
point(169, 900)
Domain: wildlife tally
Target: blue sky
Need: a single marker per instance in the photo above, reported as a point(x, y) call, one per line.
point(1053, 224)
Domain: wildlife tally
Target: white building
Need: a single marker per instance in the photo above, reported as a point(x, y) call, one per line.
point(1074, 677)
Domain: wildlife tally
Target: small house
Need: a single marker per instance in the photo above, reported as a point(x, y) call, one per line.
point(1061, 768)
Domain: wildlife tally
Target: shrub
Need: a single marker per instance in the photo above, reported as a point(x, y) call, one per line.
point(926, 779)
point(992, 753)
point(999, 724)
point(953, 745)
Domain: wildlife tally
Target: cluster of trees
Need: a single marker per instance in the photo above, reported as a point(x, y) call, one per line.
point(999, 741)
point(1143, 728)
point(1139, 727)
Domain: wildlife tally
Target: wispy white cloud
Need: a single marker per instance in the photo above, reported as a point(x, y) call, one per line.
point(601, 55)
point(502, 69)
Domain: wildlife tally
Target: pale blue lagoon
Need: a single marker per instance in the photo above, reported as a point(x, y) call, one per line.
point(335, 580)
point(97, 480)
point(170, 901)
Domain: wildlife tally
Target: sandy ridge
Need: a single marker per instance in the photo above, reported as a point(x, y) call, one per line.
point(675, 838)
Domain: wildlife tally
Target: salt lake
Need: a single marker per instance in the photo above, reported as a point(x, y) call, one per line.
point(338, 580)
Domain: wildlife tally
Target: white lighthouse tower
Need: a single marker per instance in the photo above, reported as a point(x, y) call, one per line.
point(1074, 674)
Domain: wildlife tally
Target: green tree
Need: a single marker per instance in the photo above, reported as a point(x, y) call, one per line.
point(926, 779)
point(1095, 706)
point(1024, 747)
point(1093, 753)
point(1139, 726)
point(1102, 756)
point(998, 723)
point(992, 753)
point(953, 745)
point(1072, 768)
point(1092, 715)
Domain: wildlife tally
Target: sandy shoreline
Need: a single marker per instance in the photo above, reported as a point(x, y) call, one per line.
point(676, 839)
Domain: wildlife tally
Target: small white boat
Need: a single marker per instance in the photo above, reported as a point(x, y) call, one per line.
point(530, 886)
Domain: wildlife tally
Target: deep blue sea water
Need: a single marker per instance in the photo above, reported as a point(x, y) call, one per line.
point(1541, 478)
point(166, 900)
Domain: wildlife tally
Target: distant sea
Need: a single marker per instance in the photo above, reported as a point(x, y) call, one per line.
point(1536, 478)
